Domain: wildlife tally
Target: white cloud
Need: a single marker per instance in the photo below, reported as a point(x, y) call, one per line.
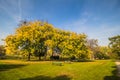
point(12, 11)
point(20, 10)
point(12, 8)
point(101, 32)
point(2, 36)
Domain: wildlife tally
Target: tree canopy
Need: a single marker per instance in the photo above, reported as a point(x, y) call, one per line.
point(115, 45)
point(42, 39)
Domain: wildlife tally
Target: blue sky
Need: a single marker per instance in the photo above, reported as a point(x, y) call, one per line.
point(99, 19)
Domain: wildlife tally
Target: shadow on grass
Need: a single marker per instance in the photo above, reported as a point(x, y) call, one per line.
point(41, 77)
point(114, 76)
point(5, 67)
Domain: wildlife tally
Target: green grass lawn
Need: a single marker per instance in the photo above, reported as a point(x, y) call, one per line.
point(45, 70)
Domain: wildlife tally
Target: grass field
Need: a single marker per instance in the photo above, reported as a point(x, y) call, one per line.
point(45, 70)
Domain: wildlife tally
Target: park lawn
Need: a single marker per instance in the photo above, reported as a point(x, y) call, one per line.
point(45, 70)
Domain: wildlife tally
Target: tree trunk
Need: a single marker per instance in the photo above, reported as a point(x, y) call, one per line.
point(45, 53)
point(29, 57)
point(45, 56)
point(39, 57)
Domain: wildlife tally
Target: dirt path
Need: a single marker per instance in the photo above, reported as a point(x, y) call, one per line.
point(118, 66)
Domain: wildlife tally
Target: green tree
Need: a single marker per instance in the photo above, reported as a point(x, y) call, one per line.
point(30, 39)
point(115, 45)
point(103, 52)
point(42, 39)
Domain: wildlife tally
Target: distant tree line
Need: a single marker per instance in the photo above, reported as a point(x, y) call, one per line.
point(43, 40)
